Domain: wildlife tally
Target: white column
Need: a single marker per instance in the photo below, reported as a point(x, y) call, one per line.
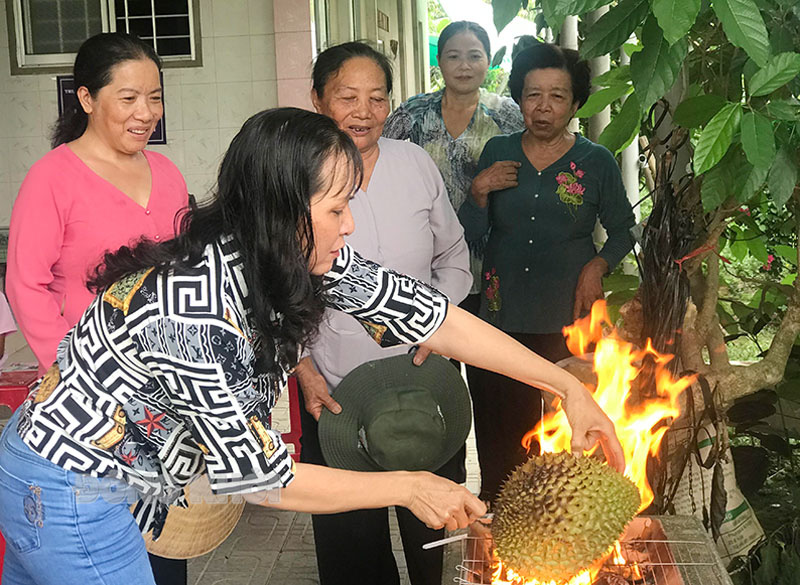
point(568, 39)
point(599, 65)
point(630, 160)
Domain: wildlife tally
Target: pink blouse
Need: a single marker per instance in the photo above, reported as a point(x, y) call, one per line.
point(64, 219)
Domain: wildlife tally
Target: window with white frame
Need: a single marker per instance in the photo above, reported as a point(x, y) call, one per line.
point(320, 26)
point(47, 33)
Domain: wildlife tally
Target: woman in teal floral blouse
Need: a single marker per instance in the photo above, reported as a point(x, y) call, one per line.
point(541, 269)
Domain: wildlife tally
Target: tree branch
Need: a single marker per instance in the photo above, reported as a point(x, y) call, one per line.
point(743, 380)
point(708, 308)
point(691, 348)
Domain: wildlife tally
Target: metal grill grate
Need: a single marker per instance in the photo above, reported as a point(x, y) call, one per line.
point(664, 550)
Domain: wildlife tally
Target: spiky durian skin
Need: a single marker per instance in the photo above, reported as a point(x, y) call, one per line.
point(557, 514)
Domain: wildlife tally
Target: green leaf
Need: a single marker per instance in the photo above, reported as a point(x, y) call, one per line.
point(584, 6)
point(600, 99)
point(697, 111)
point(555, 11)
point(715, 188)
point(787, 253)
point(739, 249)
point(757, 247)
point(781, 37)
point(790, 564)
point(770, 568)
point(676, 17)
point(751, 182)
point(504, 12)
point(716, 137)
point(620, 282)
point(498, 56)
point(614, 27)
point(720, 183)
point(617, 76)
point(620, 297)
point(656, 67)
point(749, 69)
point(782, 178)
point(757, 139)
point(631, 48)
point(744, 27)
point(779, 71)
point(784, 110)
point(623, 127)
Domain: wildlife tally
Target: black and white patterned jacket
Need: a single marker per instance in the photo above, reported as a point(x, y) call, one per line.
point(155, 385)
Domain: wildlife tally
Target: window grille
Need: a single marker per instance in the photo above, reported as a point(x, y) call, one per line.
point(47, 33)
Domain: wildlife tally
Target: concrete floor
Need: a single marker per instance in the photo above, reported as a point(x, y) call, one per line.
point(271, 547)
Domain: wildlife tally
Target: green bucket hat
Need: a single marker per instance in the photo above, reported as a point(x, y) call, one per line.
point(397, 416)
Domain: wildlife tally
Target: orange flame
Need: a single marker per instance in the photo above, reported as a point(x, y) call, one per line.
point(640, 426)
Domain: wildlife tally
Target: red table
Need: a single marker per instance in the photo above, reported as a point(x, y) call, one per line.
point(14, 388)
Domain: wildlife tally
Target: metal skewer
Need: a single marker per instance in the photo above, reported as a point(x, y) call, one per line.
point(444, 541)
point(449, 539)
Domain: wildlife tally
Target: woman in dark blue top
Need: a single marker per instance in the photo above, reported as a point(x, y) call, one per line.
point(541, 268)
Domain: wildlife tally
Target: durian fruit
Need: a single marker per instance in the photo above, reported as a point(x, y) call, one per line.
point(557, 514)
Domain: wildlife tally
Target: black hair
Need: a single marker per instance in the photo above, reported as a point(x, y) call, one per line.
point(330, 61)
point(266, 180)
point(547, 56)
point(96, 58)
point(461, 26)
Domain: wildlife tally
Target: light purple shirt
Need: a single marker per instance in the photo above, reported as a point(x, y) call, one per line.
point(405, 222)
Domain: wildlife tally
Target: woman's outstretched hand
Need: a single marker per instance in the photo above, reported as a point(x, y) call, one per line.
point(438, 502)
point(590, 424)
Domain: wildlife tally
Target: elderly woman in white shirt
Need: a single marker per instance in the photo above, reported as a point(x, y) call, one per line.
point(405, 222)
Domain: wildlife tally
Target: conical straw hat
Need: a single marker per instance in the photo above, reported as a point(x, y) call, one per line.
point(200, 528)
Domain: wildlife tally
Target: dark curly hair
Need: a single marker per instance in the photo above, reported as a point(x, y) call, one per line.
point(94, 63)
point(330, 61)
point(549, 56)
point(271, 170)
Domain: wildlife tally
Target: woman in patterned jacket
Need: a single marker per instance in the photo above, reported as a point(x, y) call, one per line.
point(174, 368)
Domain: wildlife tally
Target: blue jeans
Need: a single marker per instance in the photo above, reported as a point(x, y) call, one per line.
point(63, 528)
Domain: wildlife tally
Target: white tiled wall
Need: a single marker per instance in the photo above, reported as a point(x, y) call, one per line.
point(205, 106)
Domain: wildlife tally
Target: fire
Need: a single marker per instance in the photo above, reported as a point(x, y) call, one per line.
point(640, 426)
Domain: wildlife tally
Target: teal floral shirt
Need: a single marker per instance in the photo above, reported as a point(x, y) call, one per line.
point(541, 232)
point(419, 119)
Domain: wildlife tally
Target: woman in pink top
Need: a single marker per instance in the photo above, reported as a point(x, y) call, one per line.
point(97, 190)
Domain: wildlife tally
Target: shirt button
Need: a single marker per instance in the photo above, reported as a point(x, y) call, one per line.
point(532, 218)
point(158, 238)
point(526, 269)
point(536, 196)
point(540, 173)
point(147, 212)
point(530, 241)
